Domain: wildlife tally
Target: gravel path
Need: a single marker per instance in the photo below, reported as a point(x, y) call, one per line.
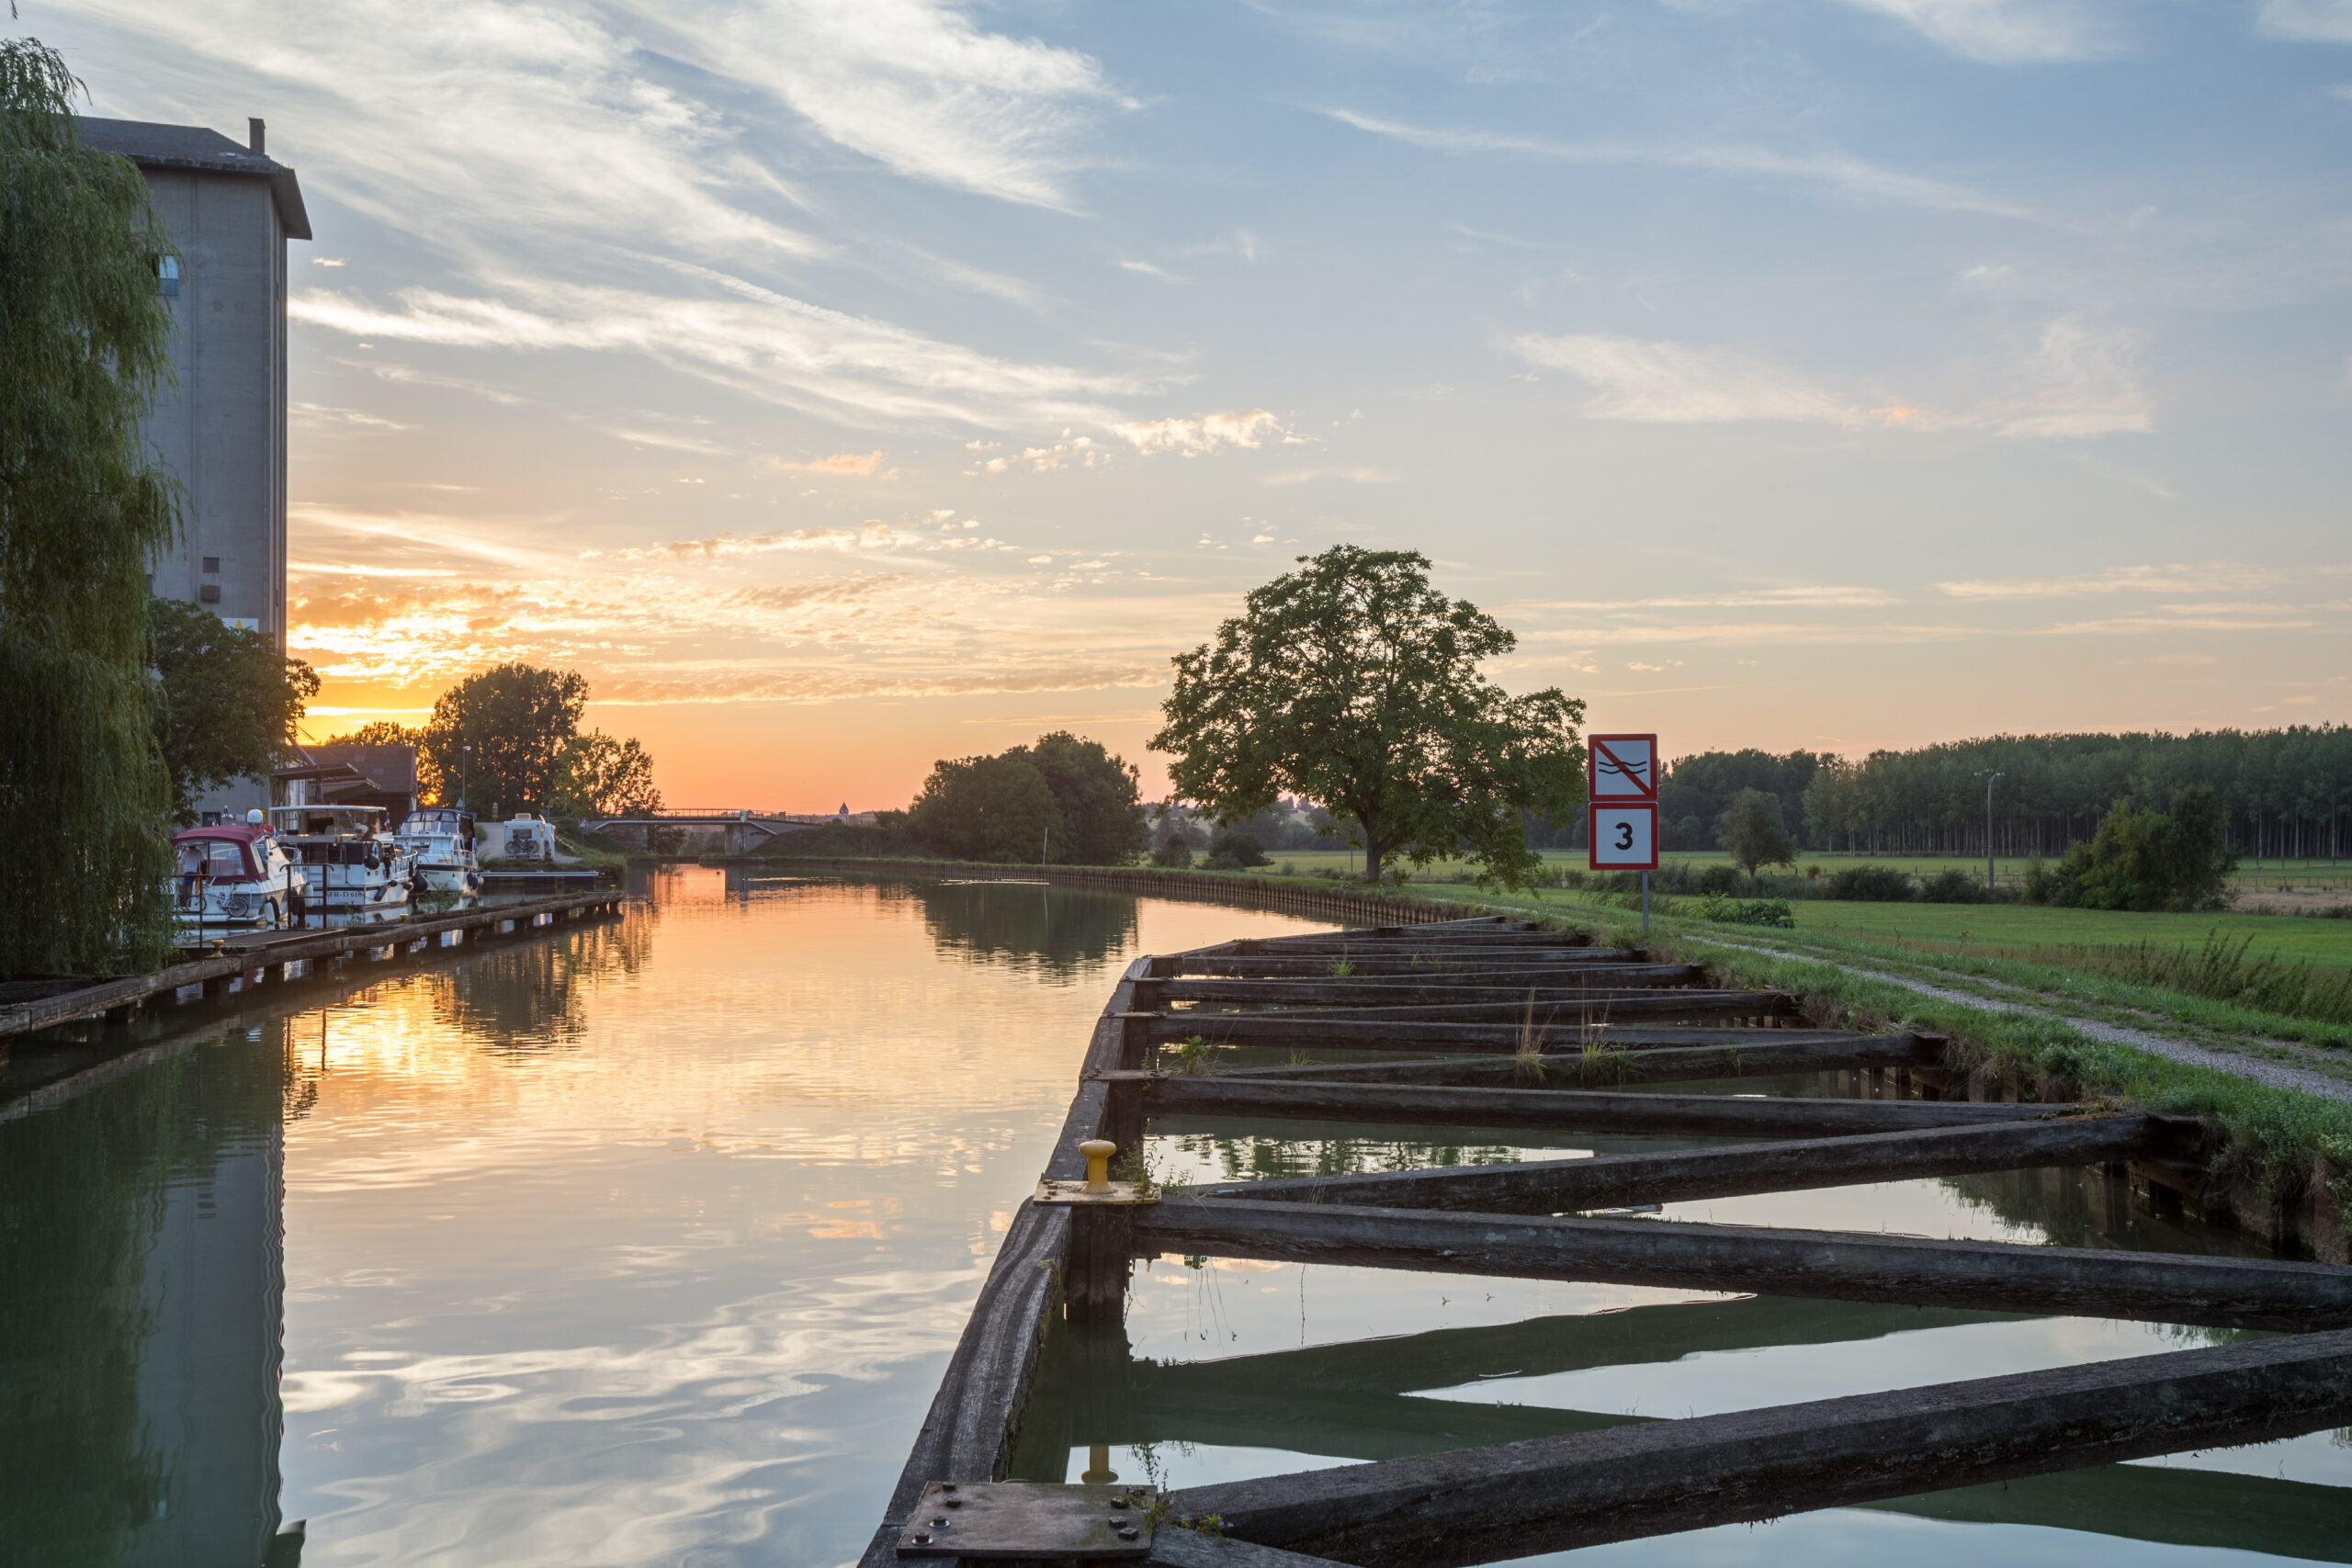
point(2275, 1074)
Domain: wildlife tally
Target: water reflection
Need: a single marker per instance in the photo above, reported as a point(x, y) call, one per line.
point(1058, 931)
point(141, 1317)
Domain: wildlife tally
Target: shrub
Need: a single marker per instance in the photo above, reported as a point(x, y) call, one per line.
point(1718, 879)
point(2176, 859)
point(1230, 851)
point(1172, 852)
point(1868, 883)
point(1952, 886)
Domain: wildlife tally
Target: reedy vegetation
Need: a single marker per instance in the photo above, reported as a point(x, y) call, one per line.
point(84, 342)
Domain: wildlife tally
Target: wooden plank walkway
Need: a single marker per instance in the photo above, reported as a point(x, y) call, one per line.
point(253, 957)
point(1492, 1024)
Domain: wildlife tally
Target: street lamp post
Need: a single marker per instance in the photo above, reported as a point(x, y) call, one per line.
point(1988, 776)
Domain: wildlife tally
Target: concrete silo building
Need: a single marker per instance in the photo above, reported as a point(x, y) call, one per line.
point(230, 209)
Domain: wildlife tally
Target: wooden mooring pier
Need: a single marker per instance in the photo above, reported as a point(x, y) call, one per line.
point(1490, 1023)
point(253, 959)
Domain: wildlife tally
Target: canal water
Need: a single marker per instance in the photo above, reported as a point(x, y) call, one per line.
point(645, 1243)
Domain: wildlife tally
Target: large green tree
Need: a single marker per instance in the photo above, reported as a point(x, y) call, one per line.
point(1354, 683)
point(993, 808)
point(496, 736)
point(84, 509)
point(229, 701)
point(599, 777)
point(1098, 794)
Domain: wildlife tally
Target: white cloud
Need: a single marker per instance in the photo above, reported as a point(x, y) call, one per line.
point(2210, 577)
point(2005, 32)
point(2075, 383)
point(2319, 21)
point(1667, 383)
point(2079, 383)
point(859, 463)
point(1839, 171)
point(324, 415)
point(761, 343)
point(1354, 473)
point(1233, 427)
point(913, 84)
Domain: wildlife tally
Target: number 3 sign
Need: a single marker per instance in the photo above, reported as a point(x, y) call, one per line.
point(1623, 792)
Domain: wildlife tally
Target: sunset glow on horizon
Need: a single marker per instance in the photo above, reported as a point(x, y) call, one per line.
point(842, 386)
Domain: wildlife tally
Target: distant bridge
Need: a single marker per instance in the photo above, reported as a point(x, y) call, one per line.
point(744, 827)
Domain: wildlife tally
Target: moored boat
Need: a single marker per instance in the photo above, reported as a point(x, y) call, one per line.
point(439, 840)
point(234, 876)
point(352, 867)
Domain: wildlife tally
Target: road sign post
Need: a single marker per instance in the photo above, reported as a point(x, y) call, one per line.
point(1621, 816)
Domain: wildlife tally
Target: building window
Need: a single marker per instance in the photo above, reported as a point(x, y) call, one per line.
point(212, 563)
point(167, 274)
point(210, 593)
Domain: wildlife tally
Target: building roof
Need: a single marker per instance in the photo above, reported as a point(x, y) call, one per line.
point(389, 769)
point(194, 147)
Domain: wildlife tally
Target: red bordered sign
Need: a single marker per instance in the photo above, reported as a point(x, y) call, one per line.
point(1623, 835)
point(1621, 767)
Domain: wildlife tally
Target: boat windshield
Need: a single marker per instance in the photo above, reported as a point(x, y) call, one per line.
point(328, 821)
point(212, 858)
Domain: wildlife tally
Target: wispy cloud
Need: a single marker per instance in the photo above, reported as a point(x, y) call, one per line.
point(1233, 427)
point(2075, 383)
point(1837, 170)
point(1348, 473)
point(2006, 32)
point(2211, 577)
point(1820, 597)
point(913, 84)
point(2321, 21)
point(1668, 383)
point(323, 416)
point(758, 341)
point(859, 463)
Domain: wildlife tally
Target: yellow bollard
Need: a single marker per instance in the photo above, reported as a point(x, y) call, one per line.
point(1098, 1153)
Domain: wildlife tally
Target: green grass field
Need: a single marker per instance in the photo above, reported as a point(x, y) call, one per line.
point(2252, 880)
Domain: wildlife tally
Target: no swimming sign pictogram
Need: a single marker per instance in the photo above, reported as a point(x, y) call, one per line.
point(1623, 814)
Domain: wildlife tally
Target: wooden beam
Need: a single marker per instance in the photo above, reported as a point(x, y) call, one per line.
point(1583, 1489)
point(1309, 966)
point(2218, 1292)
point(1562, 1110)
point(1175, 1548)
point(1406, 990)
point(1374, 1033)
point(1550, 1186)
point(1756, 1055)
point(1549, 1011)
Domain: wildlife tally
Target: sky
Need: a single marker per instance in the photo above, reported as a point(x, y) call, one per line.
point(843, 386)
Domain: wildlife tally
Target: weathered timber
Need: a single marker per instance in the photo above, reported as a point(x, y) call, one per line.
point(975, 1418)
point(1787, 1051)
point(1565, 1110)
point(1410, 940)
point(1376, 1033)
point(1546, 1010)
point(1406, 990)
point(1555, 1494)
point(1174, 1548)
point(1568, 961)
point(1549, 1187)
point(2218, 1292)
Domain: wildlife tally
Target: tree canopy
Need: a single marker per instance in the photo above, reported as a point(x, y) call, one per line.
point(495, 738)
point(229, 701)
point(1752, 833)
point(84, 509)
point(1353, 683)
point(991, 808)
point(1101, 810)
point(599, 777)
point(2174, 859)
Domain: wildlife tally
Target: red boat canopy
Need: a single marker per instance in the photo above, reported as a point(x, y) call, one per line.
point(223, 854)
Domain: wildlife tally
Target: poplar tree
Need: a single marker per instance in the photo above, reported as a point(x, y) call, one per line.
point(85, 339)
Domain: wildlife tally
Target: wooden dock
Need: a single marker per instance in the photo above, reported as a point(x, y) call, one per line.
point(255, 958)
point(1488, 1024)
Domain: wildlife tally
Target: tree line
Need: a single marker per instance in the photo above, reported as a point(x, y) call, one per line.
point(509, 741)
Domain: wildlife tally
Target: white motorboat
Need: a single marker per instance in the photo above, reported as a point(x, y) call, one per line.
point(232, 876)
point(353, 869)
point(439, 840)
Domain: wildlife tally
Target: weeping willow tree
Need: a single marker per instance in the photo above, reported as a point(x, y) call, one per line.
point(85, 339)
